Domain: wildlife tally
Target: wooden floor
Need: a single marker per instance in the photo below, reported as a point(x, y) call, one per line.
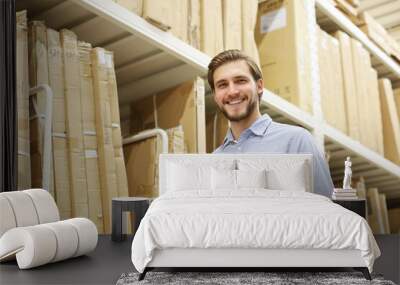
point(103, 266)
point(111, 259)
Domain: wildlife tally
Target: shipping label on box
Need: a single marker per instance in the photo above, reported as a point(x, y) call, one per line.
point(274, 20)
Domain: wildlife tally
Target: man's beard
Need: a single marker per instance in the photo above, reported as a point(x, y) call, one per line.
point(236, 118)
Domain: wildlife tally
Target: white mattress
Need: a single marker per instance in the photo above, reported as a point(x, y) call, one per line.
point(252, 218)
point(255, 257)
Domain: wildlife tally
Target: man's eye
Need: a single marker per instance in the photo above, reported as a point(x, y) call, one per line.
point(242, 80)
point(222, 85)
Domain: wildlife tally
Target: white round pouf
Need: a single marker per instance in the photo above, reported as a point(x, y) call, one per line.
point(67, 240)
point(33, 246)
point(7, 216)
point(45, 205)
point(31, 232)
point(87, 234)
point(23, 208)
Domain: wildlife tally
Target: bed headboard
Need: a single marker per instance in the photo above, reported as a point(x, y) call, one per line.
point(284, 163)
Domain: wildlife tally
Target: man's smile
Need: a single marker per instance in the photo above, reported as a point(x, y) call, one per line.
point(235, 101)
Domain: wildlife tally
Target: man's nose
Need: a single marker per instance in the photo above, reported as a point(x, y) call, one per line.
point(232, 89)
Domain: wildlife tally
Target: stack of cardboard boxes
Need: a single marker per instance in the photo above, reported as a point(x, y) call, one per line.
point(181, 112)
point(87, 162)
point(371, 27)
point(24, 157)
point(283, 40)
point(210, 25)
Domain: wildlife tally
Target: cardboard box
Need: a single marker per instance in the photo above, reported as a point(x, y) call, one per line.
point(22, 85)
point(217, 128)
point(135, 6)
point(394, 220)
point(212, 35)
point(361, 84)
point(38, 74)
point(384, 213)
point(62, 176)
point(142, 167)
point(78, 184)
point(181, 105)
point(283, 42)
point(108, 178)
point(24, 178)
point(232, 23)
point(180, 111)
point(56, 83)
point(94, 190)
point(38, 66)
point(375, 112)
point(390, 121)
point(194, 28)
point(142, 162)
point(396, 95)
point(375, 220)
point(331, 82)
point(89, 137)
point(88, 106)
point(346, 7)
point(116, 127)
point(249, 19)
point(184, 105)
point(367, 110)
point(375, 31)
point(176, 140)
point(349, 85)
point(169, 15)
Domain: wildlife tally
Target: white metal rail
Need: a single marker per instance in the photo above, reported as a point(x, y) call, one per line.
point(47, 147)
point(149, 134)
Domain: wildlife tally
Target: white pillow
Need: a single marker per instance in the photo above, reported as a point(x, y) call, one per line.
point(182, 177)
point(251, 178)
point(235, 179)
point(293, 180)
point(282, 173)
point(223, 179)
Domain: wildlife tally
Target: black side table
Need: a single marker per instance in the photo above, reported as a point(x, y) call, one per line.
point(137, 205)
point(358, 206)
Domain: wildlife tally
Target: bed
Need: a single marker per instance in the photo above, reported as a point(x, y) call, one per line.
point(247, 210)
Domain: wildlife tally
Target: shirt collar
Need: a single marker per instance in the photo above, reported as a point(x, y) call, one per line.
point(258, 128)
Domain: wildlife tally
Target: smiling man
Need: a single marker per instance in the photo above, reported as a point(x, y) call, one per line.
point(237, 84)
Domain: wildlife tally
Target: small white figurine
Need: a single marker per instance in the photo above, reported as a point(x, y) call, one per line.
point(347, 174)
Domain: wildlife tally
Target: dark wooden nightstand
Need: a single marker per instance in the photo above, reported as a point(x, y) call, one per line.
point(137, 205)
point(358, 206)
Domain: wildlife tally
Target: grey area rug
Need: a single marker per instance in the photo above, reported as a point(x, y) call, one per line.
point(228, 278)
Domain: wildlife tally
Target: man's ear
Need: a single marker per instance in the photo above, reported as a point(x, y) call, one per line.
point(260, 86)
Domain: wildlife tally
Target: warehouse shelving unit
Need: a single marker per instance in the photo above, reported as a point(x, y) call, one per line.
point(148, 60)
point(377, 171)
point(330, 19)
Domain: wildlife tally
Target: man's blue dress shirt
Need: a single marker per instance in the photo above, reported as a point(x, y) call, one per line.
point(267, 136)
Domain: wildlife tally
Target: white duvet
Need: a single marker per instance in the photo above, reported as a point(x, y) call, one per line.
point(250, 219)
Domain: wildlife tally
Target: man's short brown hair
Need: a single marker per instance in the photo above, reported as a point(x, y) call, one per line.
point(230, 56)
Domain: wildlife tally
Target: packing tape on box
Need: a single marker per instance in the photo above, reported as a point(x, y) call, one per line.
point(59, 135)
point(90, 153)
point(20, 152)
point(89, 133)
point(101, 56)
point(109, 59)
